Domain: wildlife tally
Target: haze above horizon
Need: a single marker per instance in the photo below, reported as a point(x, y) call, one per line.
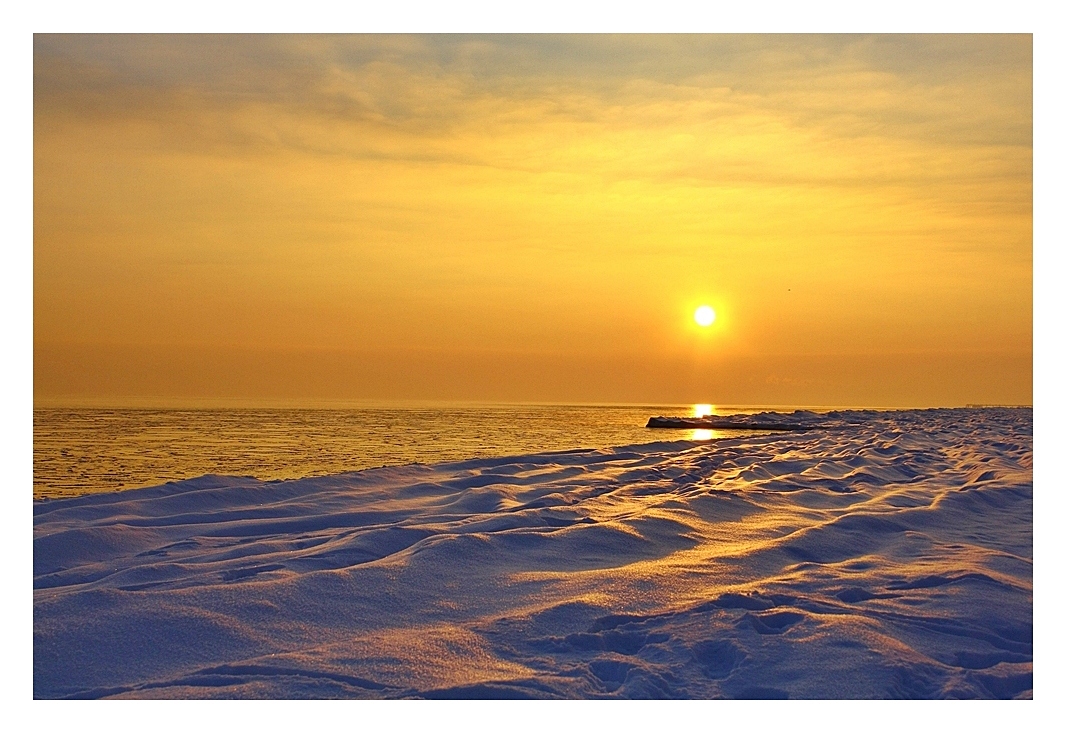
point(533, 219)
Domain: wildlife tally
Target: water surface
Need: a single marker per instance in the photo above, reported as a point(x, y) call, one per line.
point(80, 451)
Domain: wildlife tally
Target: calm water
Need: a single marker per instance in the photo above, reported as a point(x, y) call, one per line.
point(79, 451)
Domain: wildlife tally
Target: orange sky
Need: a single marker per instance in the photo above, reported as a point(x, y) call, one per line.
point(314, 218)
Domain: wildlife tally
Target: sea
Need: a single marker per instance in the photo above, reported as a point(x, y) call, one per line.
point(91, 450)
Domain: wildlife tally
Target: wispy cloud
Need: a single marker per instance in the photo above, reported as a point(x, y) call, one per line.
point(357, 179)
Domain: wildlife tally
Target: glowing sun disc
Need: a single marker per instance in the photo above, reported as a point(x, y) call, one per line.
point(705, 315)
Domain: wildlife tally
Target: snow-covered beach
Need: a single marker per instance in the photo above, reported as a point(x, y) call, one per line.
point(879, 554)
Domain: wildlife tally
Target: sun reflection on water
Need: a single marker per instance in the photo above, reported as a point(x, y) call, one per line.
point(701, 434)
point(702, 410)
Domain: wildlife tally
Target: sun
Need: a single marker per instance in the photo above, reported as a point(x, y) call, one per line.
point(705, 315)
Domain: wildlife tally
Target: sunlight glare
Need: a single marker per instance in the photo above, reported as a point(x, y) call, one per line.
point(705, 315)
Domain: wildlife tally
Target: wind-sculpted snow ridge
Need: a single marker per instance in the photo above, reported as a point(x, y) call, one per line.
point(889, 556)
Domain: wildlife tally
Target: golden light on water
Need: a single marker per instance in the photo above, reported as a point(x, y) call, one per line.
point(700, 433)
point(705, 315)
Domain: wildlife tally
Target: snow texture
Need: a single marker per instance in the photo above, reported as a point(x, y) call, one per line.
point(877, 555)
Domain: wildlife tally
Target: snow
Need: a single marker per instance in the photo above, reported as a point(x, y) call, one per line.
point(878, 554)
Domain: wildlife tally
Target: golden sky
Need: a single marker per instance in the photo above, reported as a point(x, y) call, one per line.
point(533, 218)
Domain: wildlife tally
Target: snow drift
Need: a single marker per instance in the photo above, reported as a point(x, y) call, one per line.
point(878, 554)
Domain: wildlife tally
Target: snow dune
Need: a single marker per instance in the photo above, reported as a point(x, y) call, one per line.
point(879, 554)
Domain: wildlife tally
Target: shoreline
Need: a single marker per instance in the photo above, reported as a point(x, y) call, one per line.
point(737, 424)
